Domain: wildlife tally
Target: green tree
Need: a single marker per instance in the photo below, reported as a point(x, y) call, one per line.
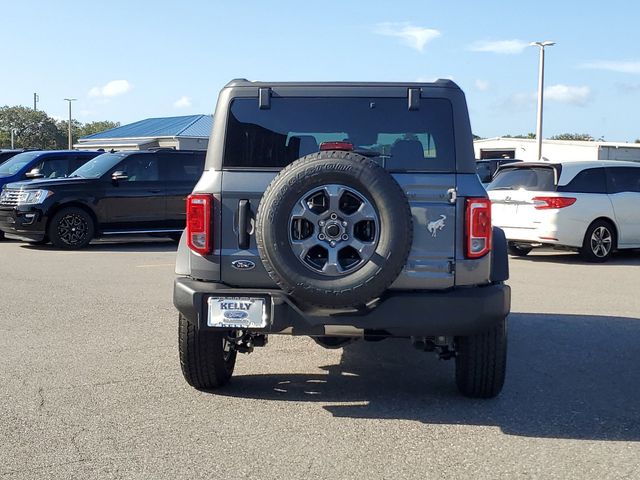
point(96, 127)
point(63, 130)
point(33, 128)
point(585, 137)
point(529, 135)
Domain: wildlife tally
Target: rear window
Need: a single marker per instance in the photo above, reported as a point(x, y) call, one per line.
point(534, 179)
point(384, 128)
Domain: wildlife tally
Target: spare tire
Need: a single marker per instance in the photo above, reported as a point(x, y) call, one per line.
point(334, 229)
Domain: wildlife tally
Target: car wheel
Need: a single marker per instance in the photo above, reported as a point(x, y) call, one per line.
point(481, 362)
point(71, 228)
point(207, 357)
point(519, 250)
point(327, 229)
point(599, 242)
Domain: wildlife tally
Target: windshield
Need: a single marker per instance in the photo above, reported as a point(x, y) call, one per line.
point(99, 165)
point(17, 162)
point(535, 179)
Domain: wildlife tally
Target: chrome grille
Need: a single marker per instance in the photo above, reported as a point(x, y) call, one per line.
point(9, 197)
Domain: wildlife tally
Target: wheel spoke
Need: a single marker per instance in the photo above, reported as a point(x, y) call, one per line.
point(334, 192)
point(365, 212)
point(302, 247)
point(364, 249)
point(332, 267)
point(302, 210)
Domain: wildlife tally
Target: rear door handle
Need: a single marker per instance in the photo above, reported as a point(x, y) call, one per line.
point(244, 213)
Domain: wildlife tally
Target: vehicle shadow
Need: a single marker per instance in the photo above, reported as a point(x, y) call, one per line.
point(623, 257)
point(124, 244)
point(569, 376)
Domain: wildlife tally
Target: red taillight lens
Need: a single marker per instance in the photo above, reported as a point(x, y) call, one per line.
point(199, 222)
point(546, 203)
point(478, 227)
point(336, 146)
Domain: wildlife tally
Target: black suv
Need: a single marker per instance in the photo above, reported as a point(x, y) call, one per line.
point(135, 192)
point(342, 211)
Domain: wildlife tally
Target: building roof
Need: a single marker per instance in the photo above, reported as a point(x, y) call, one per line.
point(171, 127)
point(582, 143)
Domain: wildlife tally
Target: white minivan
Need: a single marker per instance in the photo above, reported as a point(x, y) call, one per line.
point(590, 206)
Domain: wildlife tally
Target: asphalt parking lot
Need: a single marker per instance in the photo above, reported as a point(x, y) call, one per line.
point(91, 384)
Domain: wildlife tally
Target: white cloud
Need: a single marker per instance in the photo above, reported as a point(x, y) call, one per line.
point(410, 35)
point(572, 95)
point(615, 66)
point(182, 102)
point(503, 47)
point(113, 88)
point(482, 85)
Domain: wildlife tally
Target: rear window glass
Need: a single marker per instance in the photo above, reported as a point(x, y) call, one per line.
point(535, 179)
point(384, 128)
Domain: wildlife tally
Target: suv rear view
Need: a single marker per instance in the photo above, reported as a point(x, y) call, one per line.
point(342, 211)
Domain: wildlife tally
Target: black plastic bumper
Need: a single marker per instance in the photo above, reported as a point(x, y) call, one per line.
point(459, 311)
point(26, 222)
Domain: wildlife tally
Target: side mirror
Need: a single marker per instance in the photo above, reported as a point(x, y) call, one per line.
point(35, 173)
point(119, 175)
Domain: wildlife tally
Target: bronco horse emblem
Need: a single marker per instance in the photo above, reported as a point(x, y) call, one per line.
point(436, 225)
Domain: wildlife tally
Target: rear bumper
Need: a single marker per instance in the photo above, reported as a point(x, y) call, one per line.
point(26, 222)
point(460, 311)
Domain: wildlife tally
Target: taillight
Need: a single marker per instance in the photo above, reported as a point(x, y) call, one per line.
point(546, 203)
point(199, 207)
point(336, 146)
point(478, 227)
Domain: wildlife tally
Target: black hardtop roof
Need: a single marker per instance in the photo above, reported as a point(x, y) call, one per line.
point(243, 82)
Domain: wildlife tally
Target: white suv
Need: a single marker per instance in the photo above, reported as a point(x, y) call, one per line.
point(591, 206)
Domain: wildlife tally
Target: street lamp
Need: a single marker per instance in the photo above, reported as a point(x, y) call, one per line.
point(70, 100)
point(541, 45)
point(13, 136)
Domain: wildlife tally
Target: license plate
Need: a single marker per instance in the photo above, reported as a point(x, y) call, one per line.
point(236, 312)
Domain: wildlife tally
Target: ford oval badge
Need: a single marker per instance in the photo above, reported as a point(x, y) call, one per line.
point(235, 315)
point(243, 264)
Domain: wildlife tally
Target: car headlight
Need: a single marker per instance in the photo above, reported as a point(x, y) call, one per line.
point(32, 197)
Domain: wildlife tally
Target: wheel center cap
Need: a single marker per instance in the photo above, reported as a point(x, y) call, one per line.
point(333, 230)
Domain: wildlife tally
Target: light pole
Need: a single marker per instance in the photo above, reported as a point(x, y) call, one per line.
point(541, 45)
point(13, 135)
point(70, 100)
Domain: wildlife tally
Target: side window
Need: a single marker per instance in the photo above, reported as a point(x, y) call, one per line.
point(140, 168)
point(183, 167)
point(623, 179)
point(77, 161)
point(592, 180)
point(53, 167)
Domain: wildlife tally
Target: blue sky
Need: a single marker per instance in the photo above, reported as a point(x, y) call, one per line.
point(128, 60)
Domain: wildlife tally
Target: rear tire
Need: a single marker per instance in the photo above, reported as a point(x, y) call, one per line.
point(71, 229)
point(519, 250)
point(206, 358)
point(599, 242)
point(481, 362)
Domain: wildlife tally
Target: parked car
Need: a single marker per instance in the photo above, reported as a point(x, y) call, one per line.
point(6, 154)
point(135, 192)
point(487, 167)
point(589, 206)
point(34, 164)
point(339, 211)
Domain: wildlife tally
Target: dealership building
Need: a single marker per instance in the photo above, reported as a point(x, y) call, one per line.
point(189, 132)
point(555, 150)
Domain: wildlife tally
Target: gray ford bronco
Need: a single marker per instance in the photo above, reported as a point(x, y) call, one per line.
point(342, 211)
